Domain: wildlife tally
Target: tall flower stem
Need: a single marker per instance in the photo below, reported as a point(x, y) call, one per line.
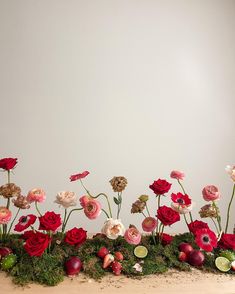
point(71, 211)
point(65, 215)
point(228, 211)
point(147, 209)
point(119, 204)
point(13, 221)
point(143, 214)
point(182, 187)
point(36, 205)
point(158, 201)
point(104, 211)
point(185, 220)
point(217, 229)
point(218, 218)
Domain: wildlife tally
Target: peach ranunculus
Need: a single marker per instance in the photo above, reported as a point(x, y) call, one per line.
point(83, 200)
point(36, 195)
point(113, 228)
point(92, 209)
point(231, 171)
point(66, 199)
point(5, 215)
point(178, 175)
point(132, 236)
point(149, 224)
point(210, 193)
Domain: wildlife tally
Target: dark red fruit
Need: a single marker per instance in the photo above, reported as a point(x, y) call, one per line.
point(118, 256)
point(4, 251)
point(182, 256)
point(102, 252)
point(196, 258)
point(186, 248)
point(116, 268)
point(73, 266)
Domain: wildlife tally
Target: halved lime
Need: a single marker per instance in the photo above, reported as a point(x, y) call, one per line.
point(223, 264)
point(140, 251)
point(228, 254)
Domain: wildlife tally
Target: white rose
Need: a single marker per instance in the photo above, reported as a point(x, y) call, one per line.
point(66, 199)
point(113, 228)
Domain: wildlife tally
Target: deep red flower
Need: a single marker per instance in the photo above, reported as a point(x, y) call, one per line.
point(167, 215)
point(160, 187)
point(166, 239)
point(206, 239)
point(36, 244)
point(27, 234)
point(8, 163)
point(79, 176)
point(227, 241)
point(50, 221)
point(75, 236)
point(24, 222)
point(181, 199)
point(197, 225)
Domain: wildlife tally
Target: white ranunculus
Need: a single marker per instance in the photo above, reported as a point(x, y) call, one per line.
point(113, 228)
point(181, 209)
point(66, 199)
point(231, 171)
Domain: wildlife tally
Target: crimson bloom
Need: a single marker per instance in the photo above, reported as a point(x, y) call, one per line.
point(8, 163)
point(75, 236)
point(227, 241)
point(50, 221)
point(79, 176)
point(166, 239)
point(206, 239)
point(167, 215)
point(36, 244)
point(181, 199)
point(197, 225)
point(24, 222)
point(160, 187)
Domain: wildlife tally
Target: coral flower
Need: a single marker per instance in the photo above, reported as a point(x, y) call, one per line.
point(132, 236)
point(25, 222)
point(36, 195)
point(92, 209)
point(113, 228)
point(149, 224)
point(206, 239)
point(178, 175)
point(5, 215)
point(83, 200)
point(210, 193)
point(79, 176)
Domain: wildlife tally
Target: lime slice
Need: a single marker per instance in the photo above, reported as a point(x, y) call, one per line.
point(223, 264)
point(228, 254)
point(140, 251)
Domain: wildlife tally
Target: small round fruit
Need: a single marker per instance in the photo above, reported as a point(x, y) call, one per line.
point(186, 248)
point(73, 266)
point(233, 265)
point(182, 256)
point(4, 251)
point(228, 254)
point(196, 258)
point(223, 264)
point(140, 251)
point(102, 252)
point(116, 268)
point(8, 262)
point(118, 256)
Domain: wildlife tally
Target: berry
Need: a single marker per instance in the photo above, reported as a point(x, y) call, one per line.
point(102, 252)
point(118, 256)
point(108, 259)
point(116, 268)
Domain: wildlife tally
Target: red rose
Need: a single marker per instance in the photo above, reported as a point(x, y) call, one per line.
point(167, 215)
point(75, 236)
point(160, 187)
point(8, 163)
point(166, 239)
point(28, 234)
point(36, 244)
point(227, 241)
point(197, 225)
point(50, 221)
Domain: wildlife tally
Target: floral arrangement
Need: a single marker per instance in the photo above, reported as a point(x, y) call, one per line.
point(31, 243)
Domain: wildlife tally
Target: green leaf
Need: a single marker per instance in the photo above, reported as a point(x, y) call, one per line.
point(116, 200)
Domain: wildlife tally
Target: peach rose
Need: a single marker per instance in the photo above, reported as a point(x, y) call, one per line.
point(132, 236)
point(5, 215)
point(36, 195)
point(178, 175)
point(92, 209)
point(66, 199)
point(210, 193)
point(113, 228)
point(149, 224)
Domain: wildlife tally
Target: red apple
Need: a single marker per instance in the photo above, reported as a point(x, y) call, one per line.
point(4, 251)
point(182, 256)
point(103, 252)
point(186, 248)
point(196, 258)
point(73, 266)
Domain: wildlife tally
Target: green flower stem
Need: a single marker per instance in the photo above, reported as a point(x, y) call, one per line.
point(185, 219)
point(65, 224)
point(154, 239)
point(182, 187)
point(120, 204)
point(147, 209)
point(13, 221)
point(105, 213)
point(36, 205)
point(229, 207)
point(102, 194)
point(217, 229)
point(85, 188)
point(0, 232)
point(218, 218)
point(65, 215)
point(158, 201)
point(143, 214)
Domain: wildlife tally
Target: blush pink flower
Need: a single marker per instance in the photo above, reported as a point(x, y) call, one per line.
point(36, 195)
point(210, 193)
point(5, 215)
point(79, 176)
point(92, 209)
point(149, 224)
point(178, 175)
point(132, 236)
point(84, 199)
point(231, 171)
point(113, 228)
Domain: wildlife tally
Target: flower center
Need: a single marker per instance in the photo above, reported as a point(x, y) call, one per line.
point(180, 201)
point(205, 239)
point(115, 229)
point(24, 220)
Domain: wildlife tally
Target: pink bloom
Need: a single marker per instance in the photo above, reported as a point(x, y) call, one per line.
point(132, 236)
point(83, 200)
point(149, 224)
point(210, 193)
point(92, 209)
point(79, 176)
point(178, 175)
point(5, 215)
point(36, 195)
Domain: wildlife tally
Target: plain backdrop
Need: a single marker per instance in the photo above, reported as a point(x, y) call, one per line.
point(130, 87)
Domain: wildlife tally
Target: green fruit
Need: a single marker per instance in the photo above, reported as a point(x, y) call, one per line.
point(8, 262)
point(141, 251)
point(223, 264)
point(228, 254)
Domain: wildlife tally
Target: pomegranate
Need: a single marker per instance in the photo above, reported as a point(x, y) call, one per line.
point(73, 266)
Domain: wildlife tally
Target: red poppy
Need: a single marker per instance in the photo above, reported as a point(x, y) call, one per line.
point(181, 199)
point(79, 176)
point(8, 163)
point(206, 239)
point(25, 222)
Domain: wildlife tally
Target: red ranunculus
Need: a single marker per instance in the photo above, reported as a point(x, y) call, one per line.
point(25, 222)
point(160, 187)
point(36, 244)
point(79, 176)
point(166, 239)
point(50, 221)
point(227, 241)
point(167, 215)
point(197, 225)
point(75, 236)
point(8, 163)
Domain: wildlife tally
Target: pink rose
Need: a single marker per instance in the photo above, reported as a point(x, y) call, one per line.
point(5, 215)
point(92, 209)
point(83, 200)
point(132, 236)
point(149, 224)
point(178, 175)
point(36, 195)
point(210, 193)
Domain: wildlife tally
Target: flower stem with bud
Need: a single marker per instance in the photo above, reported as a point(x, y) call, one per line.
point(228, 211)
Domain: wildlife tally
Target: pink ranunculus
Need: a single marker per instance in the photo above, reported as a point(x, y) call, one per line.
point(92, 209)
point(84, 199)
point(36, 195)
point(5, 215)
point(79, 176)
point(149, 224)
point(132, 236)
point(178, 175)
point(210, 193)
